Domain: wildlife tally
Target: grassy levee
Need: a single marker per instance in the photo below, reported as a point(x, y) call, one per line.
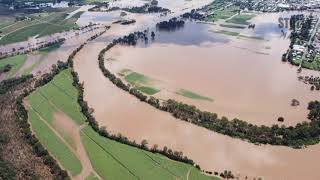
point(57, 148)
point(16, 62)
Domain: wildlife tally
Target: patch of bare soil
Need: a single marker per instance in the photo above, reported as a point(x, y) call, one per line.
point(67, 126)
point(17, 151)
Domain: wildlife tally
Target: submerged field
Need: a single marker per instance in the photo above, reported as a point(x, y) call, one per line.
point(56, 120)
point(25, 64)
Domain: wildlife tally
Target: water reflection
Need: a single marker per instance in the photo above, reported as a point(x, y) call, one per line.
point(192, 34)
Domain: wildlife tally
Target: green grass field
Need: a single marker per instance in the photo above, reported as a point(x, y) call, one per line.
point(241, 19)
point(140, 81)
point(192, 95)
point(148, 90)
point(41, 25)
point(61, 95)
point(56, 147)
point(224, 13)
point(110, 159)
point(16, 61)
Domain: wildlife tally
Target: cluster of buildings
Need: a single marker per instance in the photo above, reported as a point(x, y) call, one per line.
point(279, 5)
point(308, 49)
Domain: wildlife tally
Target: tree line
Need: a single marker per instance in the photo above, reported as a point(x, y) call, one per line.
point(314, 81)
point(170, 25)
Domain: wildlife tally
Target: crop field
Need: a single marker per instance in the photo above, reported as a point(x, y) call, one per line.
point(109, 159)
point(50, 140)
point(38, 26)
point(140, 81)
point(224, 13)
point(45, 102)
point(192, 95)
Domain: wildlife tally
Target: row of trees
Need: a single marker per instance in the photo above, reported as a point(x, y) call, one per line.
point(146, 9)
point(23, 51)
point(193, 14)
point(172, 24)
point(6, 169)
point(301, 135)
point(8, 84)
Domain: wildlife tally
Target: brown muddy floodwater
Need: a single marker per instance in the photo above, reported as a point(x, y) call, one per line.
point(245, 78)
point(240, 82)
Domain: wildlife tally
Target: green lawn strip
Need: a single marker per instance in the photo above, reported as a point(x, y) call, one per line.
point(16, 61)
point(103, 163)
point(192, 95)
point(148, 90)
point(241, 19)
point(55, 145)
point(195, 174)
point(133, 158)
point(140, 81)
point(136, 78)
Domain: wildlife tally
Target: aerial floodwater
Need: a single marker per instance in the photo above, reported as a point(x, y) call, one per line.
point(160, 89)
point(244, 77)
point(237, 76)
